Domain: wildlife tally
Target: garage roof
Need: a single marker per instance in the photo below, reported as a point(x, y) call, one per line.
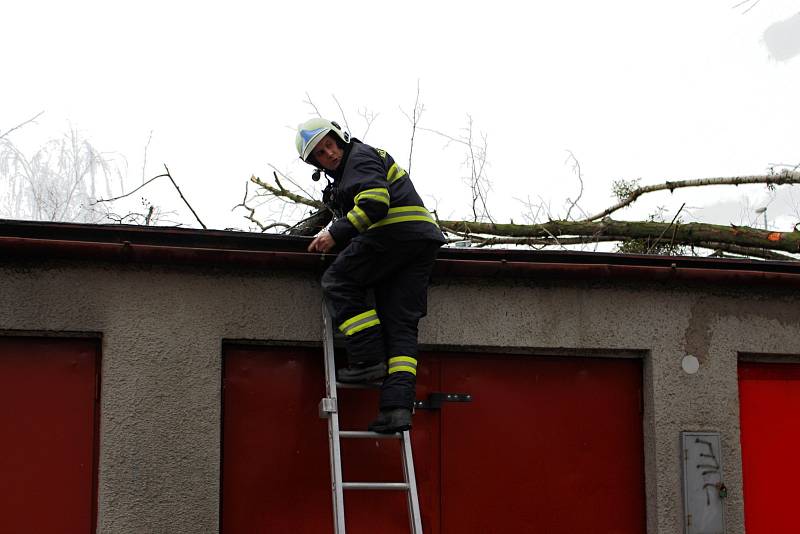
point(164, 245)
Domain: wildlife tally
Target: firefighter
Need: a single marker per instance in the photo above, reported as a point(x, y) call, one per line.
point(387, 243)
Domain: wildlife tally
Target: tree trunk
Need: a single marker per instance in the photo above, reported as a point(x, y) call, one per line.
point(696, 234)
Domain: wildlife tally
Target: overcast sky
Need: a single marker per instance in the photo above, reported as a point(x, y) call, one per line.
point(633, 88)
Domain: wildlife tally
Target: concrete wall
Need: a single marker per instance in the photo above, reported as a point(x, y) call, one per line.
point(162, 330)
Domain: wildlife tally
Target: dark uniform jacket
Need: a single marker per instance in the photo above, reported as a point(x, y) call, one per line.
point(373, 195)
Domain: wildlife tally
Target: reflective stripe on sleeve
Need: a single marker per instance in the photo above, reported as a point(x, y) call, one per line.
point(360, 322)
point(359, 219)
point(404, 214)
point(379, 194)
point(403, 363)
point(395, 173)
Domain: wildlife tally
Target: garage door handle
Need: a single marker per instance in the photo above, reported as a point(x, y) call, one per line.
point(435, 400)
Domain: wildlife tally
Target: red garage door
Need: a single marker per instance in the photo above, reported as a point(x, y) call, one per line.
point(769, 405)
point(547, 445)
point(49, 426)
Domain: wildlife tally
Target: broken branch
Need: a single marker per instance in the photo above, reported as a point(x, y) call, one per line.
point(784, 177)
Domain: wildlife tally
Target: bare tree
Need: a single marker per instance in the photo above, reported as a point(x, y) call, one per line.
point(59, 181)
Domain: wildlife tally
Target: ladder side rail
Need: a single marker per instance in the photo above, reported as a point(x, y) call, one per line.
point(333, 422)
point(334, 438)
point(414, 518)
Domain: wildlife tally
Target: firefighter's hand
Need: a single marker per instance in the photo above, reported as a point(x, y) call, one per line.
point(324, 242)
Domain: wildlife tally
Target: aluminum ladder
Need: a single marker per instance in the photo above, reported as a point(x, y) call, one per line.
point(328, 409)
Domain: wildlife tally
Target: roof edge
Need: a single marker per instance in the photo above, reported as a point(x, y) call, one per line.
point(137, 244)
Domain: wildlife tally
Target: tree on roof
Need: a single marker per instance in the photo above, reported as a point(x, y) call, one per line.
point(658, 234)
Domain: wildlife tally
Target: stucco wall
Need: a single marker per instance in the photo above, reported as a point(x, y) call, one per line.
point(162, 330)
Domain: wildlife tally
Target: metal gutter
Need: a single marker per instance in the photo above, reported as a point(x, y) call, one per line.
point(127, 252)
point(599, 271)
point(137, 244)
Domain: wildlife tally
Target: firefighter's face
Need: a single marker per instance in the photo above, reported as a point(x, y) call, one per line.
point(328, 154)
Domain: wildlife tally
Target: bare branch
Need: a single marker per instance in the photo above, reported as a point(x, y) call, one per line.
point(251, 215)
point(416, 114)
point(20, 125)
point(545, 242)
point(753, 3)
point(789, 166)
point(341, 111)
point(531, 217)
point(655, 243)
point(178, 189)
point(286, 194)
point(749, 251)
point(290, 180)
point(184, 198)
point(576, 168)
point(784, 177)
point(479, 181)
point(476, 161)
point(369, 118)
point(311, 103)
point(101, 200)
point(152, 215)
point(144, 159)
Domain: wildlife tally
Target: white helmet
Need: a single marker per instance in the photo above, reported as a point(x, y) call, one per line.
point(312, 131)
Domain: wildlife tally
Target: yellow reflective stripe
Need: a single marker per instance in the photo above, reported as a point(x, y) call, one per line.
point(359, 322)
point(411, 370)
point(363, 326)
point(395, 173)
point(359, 219)
point(380, 194)
point(406, 359)
point(405, 214)
point(403, 363)
point(355, 222)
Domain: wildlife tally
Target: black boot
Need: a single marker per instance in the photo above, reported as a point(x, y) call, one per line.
point(361, 373)
point(391, 421)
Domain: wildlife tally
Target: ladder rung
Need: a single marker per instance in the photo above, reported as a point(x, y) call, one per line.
point(367, 434)
point(375, 485)
point(366, 385)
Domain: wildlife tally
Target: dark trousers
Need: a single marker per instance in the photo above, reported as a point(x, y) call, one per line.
point(398, 272)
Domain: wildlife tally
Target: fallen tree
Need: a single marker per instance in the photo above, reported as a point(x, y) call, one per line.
point(639, 236)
